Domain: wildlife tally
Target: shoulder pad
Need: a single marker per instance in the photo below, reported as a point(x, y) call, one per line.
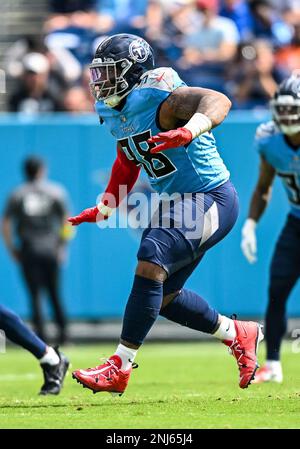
point(162, 78)
point(266, 130)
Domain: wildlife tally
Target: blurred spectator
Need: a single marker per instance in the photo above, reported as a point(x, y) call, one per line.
point(256, 77)
point(239, 12)
point(64, 68)
point(199, 38)
point(76, 100)
point(15, 53)
point(288, 58)
point(68, 6)
point(33, 94)
point(123, 10)
point(288, 9)
point(75, 34)
point(208, 45)
point(36, 211)
point(268, 24)
point(167, 25)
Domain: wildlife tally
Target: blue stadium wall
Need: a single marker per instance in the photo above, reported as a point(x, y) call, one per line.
point(98, 272)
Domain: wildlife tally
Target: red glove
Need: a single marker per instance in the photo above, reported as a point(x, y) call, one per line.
point(91, 215)
point(171, 139)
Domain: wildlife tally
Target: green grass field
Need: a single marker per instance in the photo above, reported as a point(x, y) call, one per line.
point(180, 385)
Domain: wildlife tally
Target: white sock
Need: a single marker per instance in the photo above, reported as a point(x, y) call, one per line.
point(226, 330)
point(51, 357)
point(127, 356)
point(274, 365)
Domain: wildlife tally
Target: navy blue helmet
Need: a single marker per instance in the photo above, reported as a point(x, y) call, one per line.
point(285, 105)
point(117, 67)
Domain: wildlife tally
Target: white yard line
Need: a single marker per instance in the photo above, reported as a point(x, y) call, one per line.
point(27, 376)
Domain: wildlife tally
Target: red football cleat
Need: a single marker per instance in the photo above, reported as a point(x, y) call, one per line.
point(107, 377)
point(244, 349)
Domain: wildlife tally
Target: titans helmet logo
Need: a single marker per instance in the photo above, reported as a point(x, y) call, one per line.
point(139, 50)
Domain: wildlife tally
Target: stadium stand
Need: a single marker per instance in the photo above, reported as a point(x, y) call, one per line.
point(204, 40)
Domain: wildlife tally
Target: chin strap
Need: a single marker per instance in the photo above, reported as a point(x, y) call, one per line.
point(114, 100)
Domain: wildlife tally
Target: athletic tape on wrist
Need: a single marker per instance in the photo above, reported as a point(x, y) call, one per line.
point(198, 124)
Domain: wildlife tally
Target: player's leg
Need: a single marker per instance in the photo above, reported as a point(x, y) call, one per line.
point(164, 251)
point(53, 363)
point(220, 208)
point(185, 307)
point(16, 331)
point(190, 309)
point(284, 272)
point(142, 309)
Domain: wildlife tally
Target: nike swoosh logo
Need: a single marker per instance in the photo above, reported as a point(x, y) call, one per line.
point(92, 373)
point(159, 78)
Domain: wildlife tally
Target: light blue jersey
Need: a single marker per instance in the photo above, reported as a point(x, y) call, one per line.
point(273, 147)
point(195, 168)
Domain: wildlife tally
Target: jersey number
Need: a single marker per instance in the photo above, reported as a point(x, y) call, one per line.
point(156, 165)
point(290, 180)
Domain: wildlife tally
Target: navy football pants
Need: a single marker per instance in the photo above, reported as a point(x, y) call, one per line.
point(284, 273)
point(176, 248)
point(17, 331)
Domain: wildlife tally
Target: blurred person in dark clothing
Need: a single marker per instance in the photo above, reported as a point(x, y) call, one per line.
point(288, 9)
point(69, 6)
point(268, 23)
point(168, 22)
point(33, 224)
point(288, 57)
point(127, 16)
point(33, 94)
point(239, 12)
point(254, 77)
point(64, 70)
point(74, 28)
point(208, 47)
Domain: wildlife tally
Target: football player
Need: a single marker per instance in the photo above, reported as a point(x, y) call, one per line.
point(164, 127)
point(54, 363)
point(278, 143)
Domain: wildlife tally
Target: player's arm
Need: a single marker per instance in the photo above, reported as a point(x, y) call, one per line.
point(124, 175)
point(9, 219)
point(189, 112)
point(259, 201)
point(7, 233)
point(262, 192)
